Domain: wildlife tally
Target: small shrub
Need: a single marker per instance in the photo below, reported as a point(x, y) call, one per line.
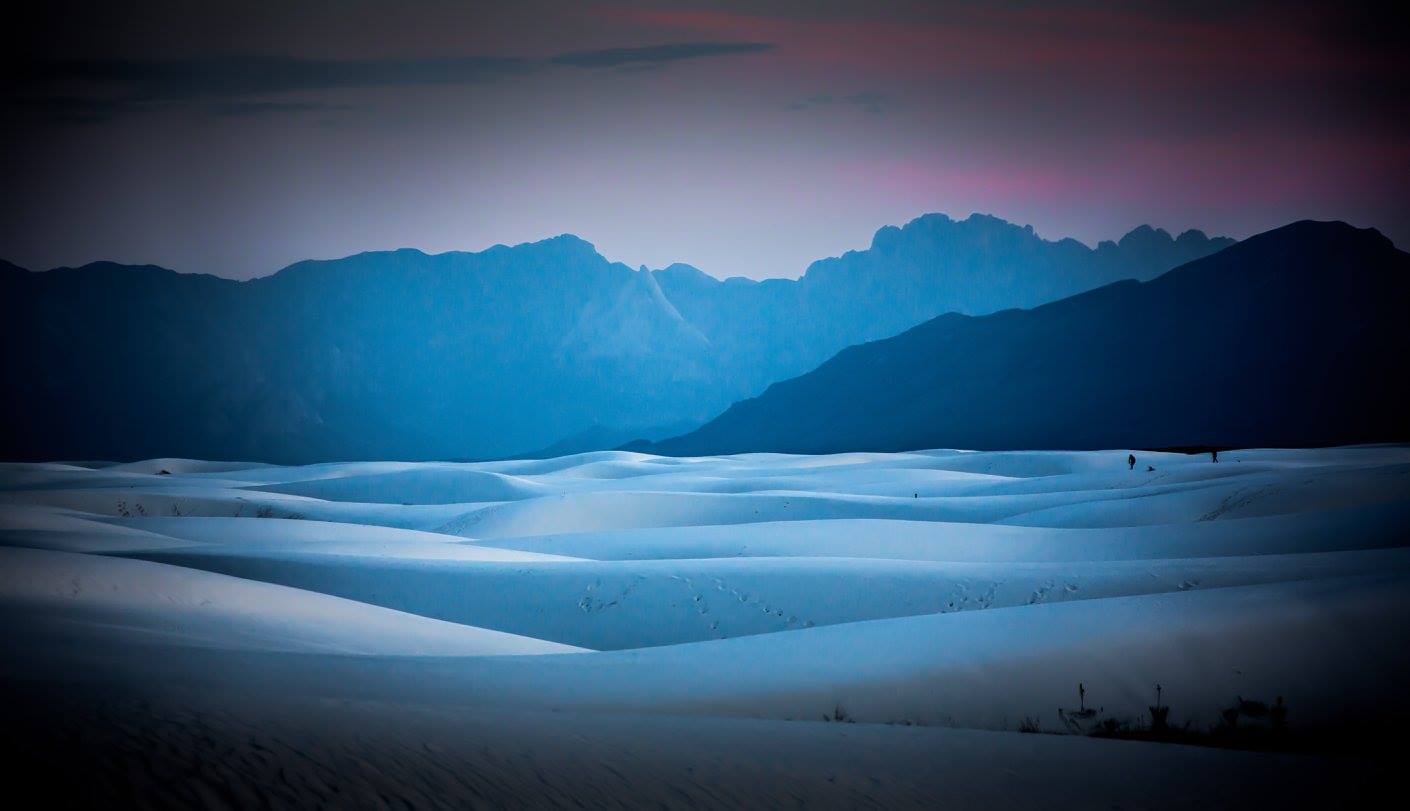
point(1109, 726)
point(1159, 718)
point(1159, 713)
point(1252, 709)
point(1278, 714)
point(1231, 717)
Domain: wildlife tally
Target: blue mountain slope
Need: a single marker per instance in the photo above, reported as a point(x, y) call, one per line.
point(1294, 337)
point(774, 329)
point(405, 355)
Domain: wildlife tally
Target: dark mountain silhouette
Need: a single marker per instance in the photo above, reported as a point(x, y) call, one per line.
point(402, 355)
point(382, 355)
point(1295, 337)
point(773, 329)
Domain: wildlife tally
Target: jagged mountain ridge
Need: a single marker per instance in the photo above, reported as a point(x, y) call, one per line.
point(1289, 338)
point(933, 265)
point(401, 354)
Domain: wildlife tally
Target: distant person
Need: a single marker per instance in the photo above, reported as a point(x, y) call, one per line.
point(1130, 461)
point(1214, 455)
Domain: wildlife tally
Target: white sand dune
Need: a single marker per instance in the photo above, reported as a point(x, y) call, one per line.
point(635, 604)
point(68, 531)
point(1324, 531)
point(935, 588)
point(185, 467)
point(123, 599)
point(279, 536)
point(432, 485)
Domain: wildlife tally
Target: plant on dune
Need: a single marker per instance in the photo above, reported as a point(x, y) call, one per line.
point(1030, 726)
point(1230, 717)
point(1273, 717)
point(1159, 718)
point(1252, 709)
point(1278, 714)
point(1109, 727)
point(1245, 724)
point(1075, 719)
point(1159, 713)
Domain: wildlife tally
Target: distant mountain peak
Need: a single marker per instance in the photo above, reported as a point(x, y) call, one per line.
point(891, 237)
point(563, 242)
point(114, 268)
point(401, 354)
point(680, 271)
point(1289, 338)
point(1152, 249)
point(981, 218)
point(565, 246)
point(1318, 237)
point(1332, 229)
point(1145, 234)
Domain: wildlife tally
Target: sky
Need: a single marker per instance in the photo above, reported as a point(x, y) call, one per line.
point(742, 138)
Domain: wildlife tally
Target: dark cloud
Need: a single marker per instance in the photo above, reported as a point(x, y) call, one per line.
point(82, 110)
point(96, 89)
point(178, 79)
point(657, 54)
point(68, 109)
point(242, 108)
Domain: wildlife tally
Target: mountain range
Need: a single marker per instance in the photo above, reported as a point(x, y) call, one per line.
point(1294, 337)
point(400, 354)
point(777, 328)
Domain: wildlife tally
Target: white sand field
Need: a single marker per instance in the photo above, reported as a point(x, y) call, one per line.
point(620, 629)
